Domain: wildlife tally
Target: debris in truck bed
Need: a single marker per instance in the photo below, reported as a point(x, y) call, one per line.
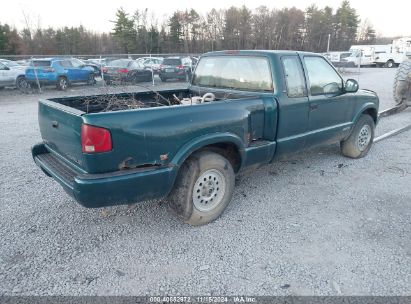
point(108, 103)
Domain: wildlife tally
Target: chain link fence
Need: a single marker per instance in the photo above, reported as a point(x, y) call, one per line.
point(105, 75)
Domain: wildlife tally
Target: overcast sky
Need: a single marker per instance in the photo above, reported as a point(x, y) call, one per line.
point(390, 18)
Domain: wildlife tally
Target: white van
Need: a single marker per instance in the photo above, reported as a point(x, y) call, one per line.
point(397, 53)
point(365, 55)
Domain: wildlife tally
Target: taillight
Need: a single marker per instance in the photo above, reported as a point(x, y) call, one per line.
point(105, 70)
point(95, 139)
point(180, 67)
point(123, 71)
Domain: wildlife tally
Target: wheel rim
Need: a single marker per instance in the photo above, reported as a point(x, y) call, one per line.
point(63, 83)
point(364, 137)
point(209, 190)
point(22, 83)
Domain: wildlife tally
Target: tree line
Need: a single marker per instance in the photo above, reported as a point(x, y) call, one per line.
point(191, 32)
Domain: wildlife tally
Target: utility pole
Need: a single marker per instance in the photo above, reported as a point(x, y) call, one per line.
point(328, 43)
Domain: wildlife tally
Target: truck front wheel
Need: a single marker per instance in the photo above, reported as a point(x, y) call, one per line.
point(361, 138)
point(203, 189)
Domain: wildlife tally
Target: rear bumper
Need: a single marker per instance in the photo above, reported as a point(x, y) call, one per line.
point(105, 189)
point(173, 75)
point(114, 77)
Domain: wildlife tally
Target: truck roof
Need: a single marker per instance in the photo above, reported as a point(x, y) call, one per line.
point(258, 52)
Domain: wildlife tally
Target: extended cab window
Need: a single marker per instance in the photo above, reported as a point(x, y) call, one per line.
point(294, 76)
point(322, 77)
point(234, 72)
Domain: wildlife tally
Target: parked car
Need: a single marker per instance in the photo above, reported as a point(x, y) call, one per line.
point(96, 67)
point(11, 74)
point(23, 62)
point(126, 70)
point(152, 63)
point(243, 109)
point(175, 68)
point(61, 72)
point(99, 61)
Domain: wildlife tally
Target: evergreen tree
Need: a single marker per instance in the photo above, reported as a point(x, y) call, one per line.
point(346, 23)
point(124, 31)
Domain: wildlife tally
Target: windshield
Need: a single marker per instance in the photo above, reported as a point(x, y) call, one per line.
point(172, 61)
point(10, 63)
point(121, 63)
point(41, 63)
point(234, 72)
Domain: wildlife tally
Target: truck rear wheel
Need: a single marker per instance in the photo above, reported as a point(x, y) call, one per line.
point(203, 189)
point(361, 138)
point(402, 82)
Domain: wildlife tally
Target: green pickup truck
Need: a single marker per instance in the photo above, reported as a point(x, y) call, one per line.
point(242, 109)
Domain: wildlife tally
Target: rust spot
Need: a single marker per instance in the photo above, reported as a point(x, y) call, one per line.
point(164, 157)
point(126, 164)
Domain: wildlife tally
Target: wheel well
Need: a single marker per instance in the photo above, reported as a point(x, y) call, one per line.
point(229, 150)
point(372, 112)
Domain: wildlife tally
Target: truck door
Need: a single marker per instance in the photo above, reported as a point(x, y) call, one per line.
point(329, 108)
point(293, 107)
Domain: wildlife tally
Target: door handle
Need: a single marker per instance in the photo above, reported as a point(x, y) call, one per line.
point(313, 106)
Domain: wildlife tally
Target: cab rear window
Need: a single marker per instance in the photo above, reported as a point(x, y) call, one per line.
point(245, 73)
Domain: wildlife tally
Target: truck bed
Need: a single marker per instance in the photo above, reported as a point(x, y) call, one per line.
point(139, 100)
point(122, 101)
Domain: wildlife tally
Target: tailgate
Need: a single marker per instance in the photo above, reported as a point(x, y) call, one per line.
point(60, 128)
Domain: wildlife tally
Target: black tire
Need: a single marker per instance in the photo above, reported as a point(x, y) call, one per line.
point(62, 83)
point(361, 138)
point(107, 82)
point(390, 64)
point(402, 83)
point(215, 189)
point(22, 84)
point(91, 79)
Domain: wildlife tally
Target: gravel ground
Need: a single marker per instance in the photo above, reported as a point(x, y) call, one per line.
point(314, 224)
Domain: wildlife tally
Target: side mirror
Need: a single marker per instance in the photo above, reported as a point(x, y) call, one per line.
point(351, 86)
